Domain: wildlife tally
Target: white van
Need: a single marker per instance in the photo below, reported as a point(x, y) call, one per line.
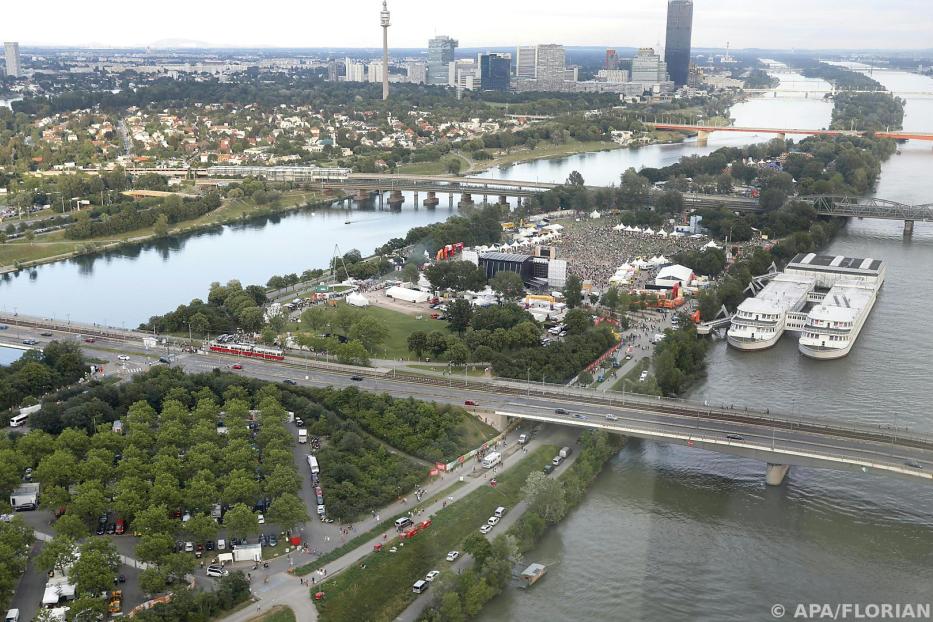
point(500, 511)
point(420, 586)
point(522, 439)
point(216, 570)
point(221, 544)
point(401, 523)
point(302, 436)
point(12, 615)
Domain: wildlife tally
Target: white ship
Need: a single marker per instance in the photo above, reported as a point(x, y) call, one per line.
point(827, 298)
point(759, 322)
point(834, 324)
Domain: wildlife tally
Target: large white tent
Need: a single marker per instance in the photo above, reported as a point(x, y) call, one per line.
point(408, 295)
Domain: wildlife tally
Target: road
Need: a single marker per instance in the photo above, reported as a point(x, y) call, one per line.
point(709, 425)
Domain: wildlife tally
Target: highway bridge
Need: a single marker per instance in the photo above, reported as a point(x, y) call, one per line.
point(779, 440)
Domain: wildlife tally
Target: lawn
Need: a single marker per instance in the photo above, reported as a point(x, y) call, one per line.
point(630, 383)
point(382, 590)
point(279, 613)
point(400, 326)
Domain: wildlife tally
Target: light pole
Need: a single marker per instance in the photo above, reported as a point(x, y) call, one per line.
point(529, 381)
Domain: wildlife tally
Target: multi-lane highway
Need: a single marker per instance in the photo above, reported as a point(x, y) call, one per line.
point(727, 429)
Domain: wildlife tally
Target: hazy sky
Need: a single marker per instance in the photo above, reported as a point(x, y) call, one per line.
point(476, 23)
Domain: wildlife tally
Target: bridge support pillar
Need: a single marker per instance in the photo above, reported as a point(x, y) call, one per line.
point(908, 228)
point(702, 138)
point(362, 196)
point(466, 200)
point(776, 474)
point(416, 200)
point(451, 198)
point(503, 200)
point(396, 199)
point(432, 200)
point(381, 198)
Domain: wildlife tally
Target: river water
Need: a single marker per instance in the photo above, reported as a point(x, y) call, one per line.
point(673, 533)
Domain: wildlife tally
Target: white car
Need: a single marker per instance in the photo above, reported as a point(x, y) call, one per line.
point(432, 575)
point(123, 357)
point(493, 521)
point(611, 417)
point(453, 555)
point(261, 519)
point(215, 570)
point(485, 529)
point(644, 376)
point(189, 547)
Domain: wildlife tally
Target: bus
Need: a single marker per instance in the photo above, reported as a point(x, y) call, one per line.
point(18, 420)
point(312, 464)
point(492, 459)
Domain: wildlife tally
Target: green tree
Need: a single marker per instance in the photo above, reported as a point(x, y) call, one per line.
point(418, 343)
point(479, 547)
point(508, 285)
point(577, 321)
point(545, 496)
point(57, 554)
point(458, 353)
point(368, 331)
point(201, 527)
point(410, 273)
point(451, 608)
point(287, 511)
point(94, 571)
point(459, 314)
point(453, 166)
point(573, 291)
point(240, 521)
point(200, 324)
point(575, 179)
point(160, 228)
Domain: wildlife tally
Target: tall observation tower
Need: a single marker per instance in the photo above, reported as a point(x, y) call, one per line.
point(384, 18)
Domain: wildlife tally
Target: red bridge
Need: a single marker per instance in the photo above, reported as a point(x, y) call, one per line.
point(703, 131)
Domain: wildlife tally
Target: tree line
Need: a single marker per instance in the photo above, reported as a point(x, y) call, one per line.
point(37, 373)
point(124, 216)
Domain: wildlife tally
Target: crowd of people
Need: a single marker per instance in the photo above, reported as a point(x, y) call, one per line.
point(594, 250)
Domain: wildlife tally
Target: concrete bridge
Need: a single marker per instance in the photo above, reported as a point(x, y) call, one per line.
point(777, 439)
point(703, 131)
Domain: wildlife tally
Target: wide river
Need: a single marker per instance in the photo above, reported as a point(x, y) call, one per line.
point(673, 533)
point(667, 533)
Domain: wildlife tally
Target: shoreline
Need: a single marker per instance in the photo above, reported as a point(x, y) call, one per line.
point(92, 248)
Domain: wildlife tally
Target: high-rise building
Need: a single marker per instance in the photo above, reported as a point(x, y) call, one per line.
point(648, 67)
point(463, 74)
point(384, 21)
point(495, 71)
point(526, 59)
point(612, 60)
point(375, 72)
point(550, 64)
point(356, 72)
point(13, 68)
point(679, 32)
point(440, 55)
point(417, 72)
point(332, 71)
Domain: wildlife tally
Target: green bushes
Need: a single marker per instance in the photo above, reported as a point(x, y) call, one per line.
point(197, 606)
point(123, 217)
point(38, 372)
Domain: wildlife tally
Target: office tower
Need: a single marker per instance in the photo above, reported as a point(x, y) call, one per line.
point(495, 71)
point(647, 66)
point(526, 58)
point(440, 55)
point(417, 72)
point(463, 74)
point(550, 65)
point(332, 71)
point(679, 31)
point(13, 68)
point(612, 60)
point(384, 20)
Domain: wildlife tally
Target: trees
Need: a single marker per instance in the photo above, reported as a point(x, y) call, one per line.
point(57, 554)
point(94, 571)
point(418, 342)
point(369, 332)
point(508, 285)
point(573, 291)
point(240, 521)
point(479, 547)
point(287, 511)
point(459, 313)
point(436, 343)
point(577, 321)
point(575, 179)
point(545, 496)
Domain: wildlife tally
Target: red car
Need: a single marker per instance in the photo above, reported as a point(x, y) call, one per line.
point(236, 366)
point(469, 403)
point(121, 527)
point(89, 340)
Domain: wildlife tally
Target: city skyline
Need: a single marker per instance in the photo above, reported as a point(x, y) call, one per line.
point(858, 24)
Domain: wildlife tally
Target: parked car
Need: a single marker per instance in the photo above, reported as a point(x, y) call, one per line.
point(189, 547)
point(261, 519)
point(452, 556)
point(209, 545)
point(431, 575)
point(216, 570)
point(643, 376)
point(493, 521)
point(485, 529)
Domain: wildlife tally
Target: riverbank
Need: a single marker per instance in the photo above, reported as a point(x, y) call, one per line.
point(20, 254)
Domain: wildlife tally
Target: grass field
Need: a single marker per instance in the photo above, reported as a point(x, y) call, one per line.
point(629, 382)
point(400, 326)
point(382, 590)
point(279, 613)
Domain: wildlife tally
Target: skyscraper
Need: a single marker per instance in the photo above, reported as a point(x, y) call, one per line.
point(495, 71)
point(384, 20)
point(551, 64)
point(679, 31)
point(440, 55)
point(13, 68)
point(612, 60)
point(526, 57)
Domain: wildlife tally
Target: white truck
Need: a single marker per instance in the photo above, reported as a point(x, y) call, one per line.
point(302, 436)
point(312, 464)
point(26, 497)
point(565, 452)
point(491, 459)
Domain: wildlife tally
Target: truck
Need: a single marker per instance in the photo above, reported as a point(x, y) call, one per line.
point(491, 459)
point(26, 497)
point(565, 452)
point(312, 464)
point(522, 439)
point(302, 436)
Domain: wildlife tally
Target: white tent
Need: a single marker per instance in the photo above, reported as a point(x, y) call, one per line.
point(619, 227)
point(649, 231)
point(357, 299)
point(595, 214)
point(669, 275)
point(711, 244)
point(408, 295)
point(663, 233)
point(635, 230)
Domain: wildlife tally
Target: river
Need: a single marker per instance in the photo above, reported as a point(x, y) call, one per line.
point(673, 533)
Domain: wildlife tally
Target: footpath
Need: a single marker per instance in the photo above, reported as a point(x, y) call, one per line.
point(276, 586)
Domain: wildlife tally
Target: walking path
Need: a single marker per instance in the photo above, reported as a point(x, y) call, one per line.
point(287, 589)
